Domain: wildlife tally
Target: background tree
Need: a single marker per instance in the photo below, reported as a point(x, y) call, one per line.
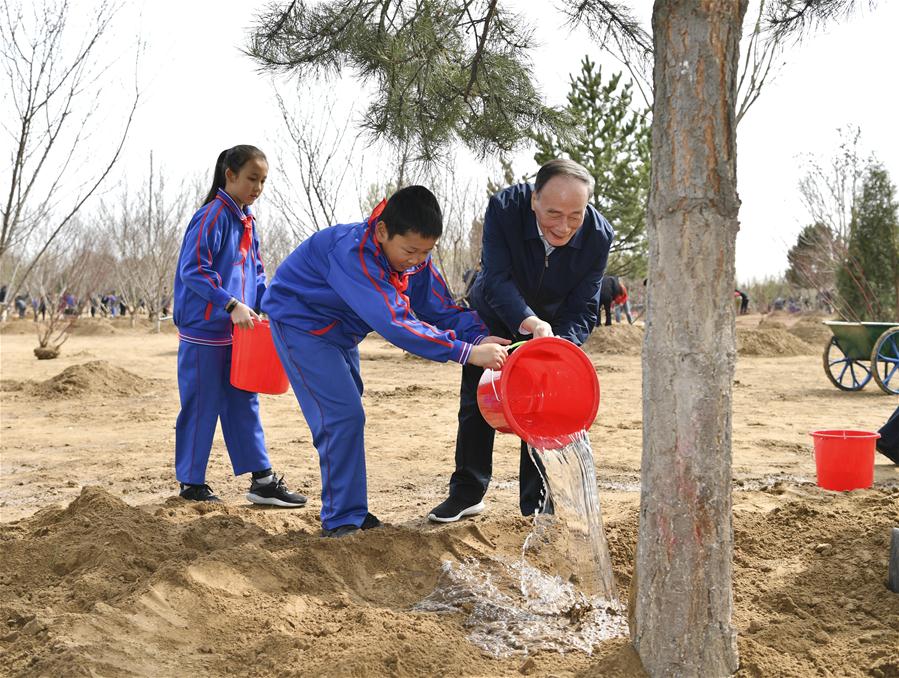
point(682, 599)
point(611, 140)
point(868, 279)
point(145, 231)
point(54, 87)
point(812, 260)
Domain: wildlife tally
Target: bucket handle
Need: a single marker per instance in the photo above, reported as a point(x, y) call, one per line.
point(512, 347)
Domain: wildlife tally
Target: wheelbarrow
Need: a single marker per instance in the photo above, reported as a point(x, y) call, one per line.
point(860, 351)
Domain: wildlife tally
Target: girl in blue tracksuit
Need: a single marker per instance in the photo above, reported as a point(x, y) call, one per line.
point(336, 287)
point(219, 282)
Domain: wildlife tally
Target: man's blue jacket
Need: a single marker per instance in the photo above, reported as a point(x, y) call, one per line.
point(518, 279)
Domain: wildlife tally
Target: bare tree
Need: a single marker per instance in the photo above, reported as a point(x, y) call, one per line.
point(829, 190)
point(145, 232)
point(315, 166)
point(53, 97)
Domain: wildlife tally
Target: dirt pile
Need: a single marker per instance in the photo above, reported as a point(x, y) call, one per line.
point(92, 327)
point(810, 586)
point(619, 339)
point(771, 343)
point(812, 331)
point(104, 588)
point(96, 377)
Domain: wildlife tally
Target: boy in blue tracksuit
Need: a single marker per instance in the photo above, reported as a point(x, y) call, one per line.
point(335, 288)
point(219, 282)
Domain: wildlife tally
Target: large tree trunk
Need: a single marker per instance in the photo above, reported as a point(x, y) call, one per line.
point(682, 598)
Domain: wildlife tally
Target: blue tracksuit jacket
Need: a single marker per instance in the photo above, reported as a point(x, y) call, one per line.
point(219, 260)
point(518, 279)
point(338, 285)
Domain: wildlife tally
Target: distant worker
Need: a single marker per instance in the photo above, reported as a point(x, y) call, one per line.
point(610, 291)
point(744, 301)
point(623, 305)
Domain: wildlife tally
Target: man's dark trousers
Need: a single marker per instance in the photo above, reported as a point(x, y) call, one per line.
point(888, 445)
point(474, 453)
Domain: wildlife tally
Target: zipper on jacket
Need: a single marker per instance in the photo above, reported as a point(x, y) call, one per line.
point(545, 266)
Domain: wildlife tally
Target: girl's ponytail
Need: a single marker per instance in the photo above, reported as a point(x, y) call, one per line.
point(233, 159)
point(218, 177)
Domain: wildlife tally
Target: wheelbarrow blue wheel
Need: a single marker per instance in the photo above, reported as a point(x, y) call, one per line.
point(845, 373)
point(885, 361)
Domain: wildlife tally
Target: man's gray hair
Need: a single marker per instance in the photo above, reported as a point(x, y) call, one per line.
point(563, 167)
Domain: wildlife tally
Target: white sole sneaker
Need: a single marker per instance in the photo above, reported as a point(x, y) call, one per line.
point(470, 511)
point(271, 501)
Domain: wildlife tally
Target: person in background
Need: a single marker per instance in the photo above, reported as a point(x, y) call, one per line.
point(543, 255)
point(610, 291)
point(219, 282)
point(623, 304)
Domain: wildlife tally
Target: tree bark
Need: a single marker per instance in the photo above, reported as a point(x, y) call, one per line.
point(682, 598)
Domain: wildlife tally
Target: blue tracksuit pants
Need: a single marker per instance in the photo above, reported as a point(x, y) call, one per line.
point(328, 386)
point(204, 383)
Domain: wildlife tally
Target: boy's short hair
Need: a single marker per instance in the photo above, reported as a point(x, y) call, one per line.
point(413, 208)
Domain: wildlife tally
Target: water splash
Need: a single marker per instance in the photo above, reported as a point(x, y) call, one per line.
point(515, 609)
point(573, 534)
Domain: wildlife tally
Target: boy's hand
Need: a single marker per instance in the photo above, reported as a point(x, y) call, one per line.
point(488, 355)
point(502, 341)
point(243, 316)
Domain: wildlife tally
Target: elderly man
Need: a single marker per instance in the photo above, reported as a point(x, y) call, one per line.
point(544, 252)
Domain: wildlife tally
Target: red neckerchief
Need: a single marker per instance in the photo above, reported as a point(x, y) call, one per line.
point(246, 238)
point(400, 281)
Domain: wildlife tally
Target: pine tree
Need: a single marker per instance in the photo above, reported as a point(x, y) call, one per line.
point(611, 140)
point(812, 259)
point(867, 281)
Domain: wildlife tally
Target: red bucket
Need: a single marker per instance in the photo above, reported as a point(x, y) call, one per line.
point(845, 459)
point(254, 362)
point(546, 391)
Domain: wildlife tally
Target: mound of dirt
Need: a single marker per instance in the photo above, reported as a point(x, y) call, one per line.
point(812, 331)
point(96, 377)
point(771, 343)
point(92, 327)
point(104, 588)
point(620, 339)
point(17, 327)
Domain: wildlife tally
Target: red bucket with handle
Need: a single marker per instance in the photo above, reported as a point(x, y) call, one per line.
point(546, 391)
point(254, 362)
point(844, 460)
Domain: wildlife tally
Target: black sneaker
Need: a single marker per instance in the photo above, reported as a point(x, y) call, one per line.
point(371, 521)
point(274, 493)
point(453, 509)
point(197, 492)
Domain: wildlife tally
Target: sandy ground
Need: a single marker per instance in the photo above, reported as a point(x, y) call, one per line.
point(103, 572)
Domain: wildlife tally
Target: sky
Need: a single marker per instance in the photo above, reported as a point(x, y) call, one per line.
point(200, 94)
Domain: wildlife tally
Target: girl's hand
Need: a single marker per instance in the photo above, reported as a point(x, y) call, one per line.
point(488, 355)
point(243, 316)
point(496, 340)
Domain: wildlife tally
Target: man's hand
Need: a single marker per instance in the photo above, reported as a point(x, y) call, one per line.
point(537, 327)
point(243, 316)
point(496, 340)
point(488, 355)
